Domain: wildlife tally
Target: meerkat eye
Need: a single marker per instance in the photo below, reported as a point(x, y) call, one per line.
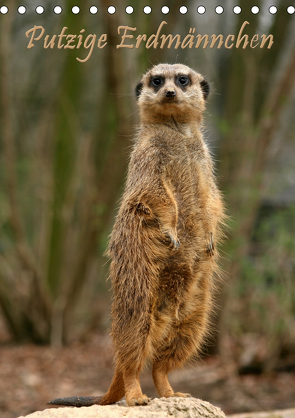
point(183, 80)
point(157, 81)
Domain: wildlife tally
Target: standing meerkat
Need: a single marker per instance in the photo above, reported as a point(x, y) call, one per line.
point(163, 245)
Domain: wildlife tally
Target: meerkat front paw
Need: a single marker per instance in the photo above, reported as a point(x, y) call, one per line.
point(210, 245)
point(140, 208)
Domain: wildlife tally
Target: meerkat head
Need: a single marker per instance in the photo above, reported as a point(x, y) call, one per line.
point(172, 91)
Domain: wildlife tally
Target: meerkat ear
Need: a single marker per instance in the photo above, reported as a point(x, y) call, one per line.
point(205, 88)
point(138, 89)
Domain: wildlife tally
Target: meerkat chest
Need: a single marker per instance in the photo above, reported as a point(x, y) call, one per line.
point(189, 176)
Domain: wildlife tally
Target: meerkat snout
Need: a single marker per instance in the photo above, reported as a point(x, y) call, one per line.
point(170, 94)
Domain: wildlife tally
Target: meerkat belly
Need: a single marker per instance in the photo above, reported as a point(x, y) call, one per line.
point(188, 183)
point(178, 297)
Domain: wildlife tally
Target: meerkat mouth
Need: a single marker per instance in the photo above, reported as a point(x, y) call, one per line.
point(170, 101)
point(170, 98)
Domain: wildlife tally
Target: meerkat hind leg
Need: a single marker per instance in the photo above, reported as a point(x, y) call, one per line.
point(133, 392)
point(164, 389)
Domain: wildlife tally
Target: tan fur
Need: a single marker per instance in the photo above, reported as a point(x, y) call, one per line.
point(162, 254)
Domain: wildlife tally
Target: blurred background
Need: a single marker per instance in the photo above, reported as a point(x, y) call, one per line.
point(66, 130)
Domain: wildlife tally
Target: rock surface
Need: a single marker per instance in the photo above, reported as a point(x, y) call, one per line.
point(157, 408)
point(283, 413)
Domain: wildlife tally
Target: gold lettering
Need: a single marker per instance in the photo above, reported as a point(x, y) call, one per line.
point(244, 37)
point(102, 38)
point(51, 43)
point(227, 39)
point(90, 45)
point(70, 39)
point(189, 39)
point(31, 45)
point(153, 39)
point(60, 36)
point(254, 39)
point(124, 36)
point(214, 40)
point(199, 40)
point(80, 37)
point(171, 40)
point(139, 39)
point(265, 38)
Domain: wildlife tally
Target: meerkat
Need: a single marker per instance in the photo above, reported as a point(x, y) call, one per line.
point(163, 246)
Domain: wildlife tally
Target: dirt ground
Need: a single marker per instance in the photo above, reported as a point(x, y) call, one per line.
point(32, 375)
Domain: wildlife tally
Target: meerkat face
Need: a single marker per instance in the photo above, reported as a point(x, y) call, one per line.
point(172, 91)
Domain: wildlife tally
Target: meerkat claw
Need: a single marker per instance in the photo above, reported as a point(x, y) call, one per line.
point(174, 241)
point(210, 246)
point(142, 400)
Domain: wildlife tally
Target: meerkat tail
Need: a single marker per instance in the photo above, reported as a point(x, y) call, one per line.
point(114, 394)
point(76, 401)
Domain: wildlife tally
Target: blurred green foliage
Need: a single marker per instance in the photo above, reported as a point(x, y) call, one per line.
point(265, 294)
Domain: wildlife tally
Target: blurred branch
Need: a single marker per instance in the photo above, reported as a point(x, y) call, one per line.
point(8, 308)
point(22, 247)
point(24, 251)
point(269, 59)
point(273, 108)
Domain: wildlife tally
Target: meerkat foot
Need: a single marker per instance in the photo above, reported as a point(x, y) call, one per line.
point(141, 400)
point(182, 395)
point(133, 393)
point(170, 394)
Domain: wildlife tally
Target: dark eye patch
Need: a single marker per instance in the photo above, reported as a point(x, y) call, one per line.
point(138, 89)
point(205, 88)
point(157, 82)
point(182, 80)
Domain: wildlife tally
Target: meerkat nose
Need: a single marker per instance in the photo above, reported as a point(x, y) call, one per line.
point(170, 94)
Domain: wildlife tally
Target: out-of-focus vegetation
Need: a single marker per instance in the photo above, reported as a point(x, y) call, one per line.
point(65, 135)
point(263, 300)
